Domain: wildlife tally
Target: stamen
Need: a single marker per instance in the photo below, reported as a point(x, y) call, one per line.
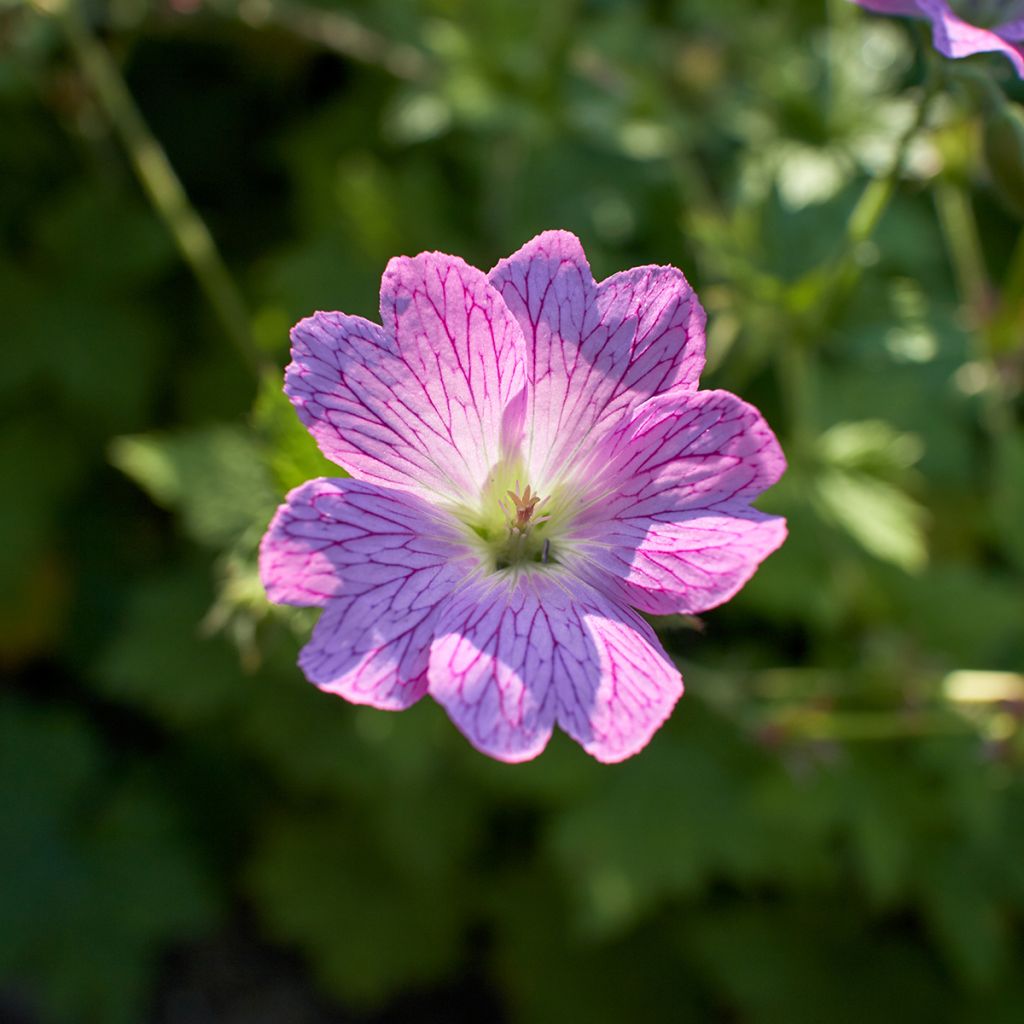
point(524, 504)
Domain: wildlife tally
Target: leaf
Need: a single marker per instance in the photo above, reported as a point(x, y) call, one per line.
point(664, 825)
point(293, 454)
point(215, 478)
point(808, 960)
point(43, 466)
point(883, 519)
point(106, 879)
point(872, 446)
point(368, 928)
point(964, 913)
point(159, 659)
point(549, 975)
point(959, 611)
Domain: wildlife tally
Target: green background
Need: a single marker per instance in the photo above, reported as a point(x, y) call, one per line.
point(831, 826)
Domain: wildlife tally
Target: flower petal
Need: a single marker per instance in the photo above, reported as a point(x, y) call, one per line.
point(381, 561)
point(594, 351)
point(491, 665)
point(955, 37)
point(952, 35)
point(515, 653)
point(419, 403)
point(617, 710)
point(670, 519)
point(691, 565)
point(1012, 31)
point(687, 452)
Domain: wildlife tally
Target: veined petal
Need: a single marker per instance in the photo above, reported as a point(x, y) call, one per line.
point(334, 536)
point(669, 519)
point(381, 561)
point(689, 565)
point(492, 663)
point(614, 714)
point(684, 452)
point(515, 653)
point(418, 404)
point(594, 351)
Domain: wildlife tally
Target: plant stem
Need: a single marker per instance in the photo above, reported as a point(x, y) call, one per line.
point(162, 185)
point(963, 245)
point(870, 208)
point(336, 31)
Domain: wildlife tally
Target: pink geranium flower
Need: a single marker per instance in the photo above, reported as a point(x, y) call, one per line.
point(963, 27)
point(530, 461)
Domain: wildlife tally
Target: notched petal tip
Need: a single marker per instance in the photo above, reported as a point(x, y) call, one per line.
point(403, 274)
point(555, 244)
point(515, 754)
point(636, 692)
point(600, 751)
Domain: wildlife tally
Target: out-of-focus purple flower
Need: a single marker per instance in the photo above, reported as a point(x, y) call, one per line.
point(530, 461)
point(963, 27)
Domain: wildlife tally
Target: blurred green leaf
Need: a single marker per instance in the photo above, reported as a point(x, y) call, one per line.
point(666, 824)
point(777, 964)
point(959, 612)
point(967, 920)
point(869, 445)
point(550, 974)
point(367, 927)
point(294, 455)
point(161, 660)
point(106, 879)
point(884, 520)
point(215, 477)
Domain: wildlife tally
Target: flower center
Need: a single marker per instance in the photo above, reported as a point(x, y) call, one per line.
point(524, 540)
point(513, 525)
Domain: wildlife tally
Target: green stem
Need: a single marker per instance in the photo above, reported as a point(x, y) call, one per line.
point(867, 726)
point(336, 31)
point(162, 185)
point(870, 208)
point(963, 245)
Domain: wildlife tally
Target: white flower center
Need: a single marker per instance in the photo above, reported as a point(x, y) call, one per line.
point(525, 541)
point(513, 525)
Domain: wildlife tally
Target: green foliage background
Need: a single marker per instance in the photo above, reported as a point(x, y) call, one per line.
point(829, 829)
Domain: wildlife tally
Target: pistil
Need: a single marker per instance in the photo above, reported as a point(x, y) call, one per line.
point(521, 542)
point(524, 506)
